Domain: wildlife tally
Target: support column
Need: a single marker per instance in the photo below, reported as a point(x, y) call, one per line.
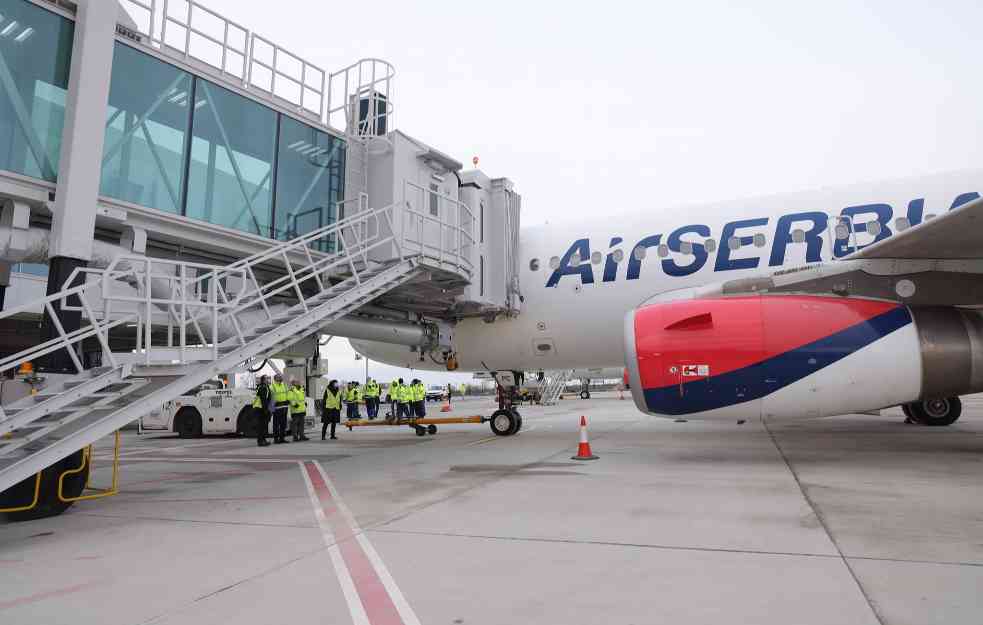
point(74, 210)
point(4, 282)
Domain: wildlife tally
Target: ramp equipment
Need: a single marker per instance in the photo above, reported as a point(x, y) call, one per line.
point(503, 422)
point(553, 386)
point(188, 329)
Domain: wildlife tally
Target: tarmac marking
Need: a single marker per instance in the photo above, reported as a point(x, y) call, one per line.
point(495, 437)
point(49, 594)
point(371, 592)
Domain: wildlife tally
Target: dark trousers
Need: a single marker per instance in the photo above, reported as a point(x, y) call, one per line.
point(403, 410)
point(353, 411)
point(262, 424)
point(280, 422)
point(324, 429)
point(419, 408)
point(372, 407)
point(297, 425)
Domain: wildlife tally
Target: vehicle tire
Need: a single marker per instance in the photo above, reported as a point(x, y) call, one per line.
point(187, 423)
point(502, 422)
point(937, 412)
point(907, 411)
point(48, 504)
point(584, 394)
point(421, 431)
point(431, 429)
point(247, 424)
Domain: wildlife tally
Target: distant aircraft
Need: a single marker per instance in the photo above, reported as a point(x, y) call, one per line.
point(785, 307)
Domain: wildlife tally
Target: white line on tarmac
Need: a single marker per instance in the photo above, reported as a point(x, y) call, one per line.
point(377, 600)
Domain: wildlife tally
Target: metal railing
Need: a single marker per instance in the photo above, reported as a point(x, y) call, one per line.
point(437, 227)
point(191, 31)
point(360, 98)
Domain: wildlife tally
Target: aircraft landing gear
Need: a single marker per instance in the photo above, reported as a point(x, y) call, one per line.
point(933, 412)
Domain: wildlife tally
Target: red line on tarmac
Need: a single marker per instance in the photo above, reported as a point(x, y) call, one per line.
point(13, 603)
point(379, 607)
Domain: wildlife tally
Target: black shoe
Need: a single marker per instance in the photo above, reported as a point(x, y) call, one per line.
point(334, 438)
point(304, 438)
point(278, 441)
point(263, 443)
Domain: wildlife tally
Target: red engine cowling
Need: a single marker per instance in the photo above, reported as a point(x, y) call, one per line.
point(796, 356)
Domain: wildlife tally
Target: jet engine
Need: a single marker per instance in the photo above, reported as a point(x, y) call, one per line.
point(797, 356)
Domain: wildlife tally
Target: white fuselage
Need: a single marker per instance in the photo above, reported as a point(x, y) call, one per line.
point(572, 314)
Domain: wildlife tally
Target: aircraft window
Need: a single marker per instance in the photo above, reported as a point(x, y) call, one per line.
point(759, 240)
point(686, 247)
point(639, 253)
point(555, 262)
point(734, 244)
point(595, 258)
point(799, 235)
point(710, 245)
point(874, 228)
point(618, 255)
point(842, 232)
point(663, 250)
point(534, 264)
point(902, 223)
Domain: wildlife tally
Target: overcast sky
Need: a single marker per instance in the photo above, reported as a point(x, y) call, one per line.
point(600, 107)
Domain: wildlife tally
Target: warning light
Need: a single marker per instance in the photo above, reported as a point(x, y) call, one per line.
point(474, 161)
point(26, 368)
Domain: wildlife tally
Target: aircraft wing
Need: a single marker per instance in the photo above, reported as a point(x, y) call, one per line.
point(956, 235)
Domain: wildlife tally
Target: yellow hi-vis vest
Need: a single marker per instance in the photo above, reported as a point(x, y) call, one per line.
point(372, 389)
point(298, 400)
point(405, 394)
point(354, 396)
point(394, 391)
point(279, 390)
point(332, 400)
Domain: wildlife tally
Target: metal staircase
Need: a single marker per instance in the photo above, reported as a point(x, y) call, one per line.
point(192, 322)
point(553, 386)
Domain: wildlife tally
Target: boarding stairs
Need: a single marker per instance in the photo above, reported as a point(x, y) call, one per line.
point(553, 385)
point(192, 321)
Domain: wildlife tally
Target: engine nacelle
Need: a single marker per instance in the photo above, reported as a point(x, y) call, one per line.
point(797, 356)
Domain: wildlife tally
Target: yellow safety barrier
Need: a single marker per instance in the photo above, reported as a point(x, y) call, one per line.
point(37, 495)
point(99, 493)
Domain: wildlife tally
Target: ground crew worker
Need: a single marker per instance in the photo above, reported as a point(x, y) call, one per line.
point(353, 399)
point(281, 408)
point(261, 410)
point(419, 398)
point(450, 392)
point(298, 411)
point(403, 400)
point(372, 398)
point(393, 398)
point(331, 408)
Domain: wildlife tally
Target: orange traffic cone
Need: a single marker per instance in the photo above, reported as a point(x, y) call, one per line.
point(583, 451)
point(446, 407)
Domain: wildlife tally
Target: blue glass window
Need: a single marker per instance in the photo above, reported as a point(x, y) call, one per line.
point(146, 131)
point(35, 57)
point(230, 177)
point(310, 180)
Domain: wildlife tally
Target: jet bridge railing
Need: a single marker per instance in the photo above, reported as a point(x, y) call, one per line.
point(438, 227)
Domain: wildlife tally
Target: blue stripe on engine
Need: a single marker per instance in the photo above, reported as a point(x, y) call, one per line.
point(766, 377)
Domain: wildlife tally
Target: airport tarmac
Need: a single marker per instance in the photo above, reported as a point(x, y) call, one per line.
point(851, 520)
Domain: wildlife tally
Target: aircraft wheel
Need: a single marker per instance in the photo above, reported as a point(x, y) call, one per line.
point(518, 421)
point(503, 422)
point(188, 423)
point(584, 394)
point(431, 429)
point(937, 412)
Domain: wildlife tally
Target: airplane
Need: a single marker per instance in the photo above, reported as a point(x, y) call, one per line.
point(805, 305)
